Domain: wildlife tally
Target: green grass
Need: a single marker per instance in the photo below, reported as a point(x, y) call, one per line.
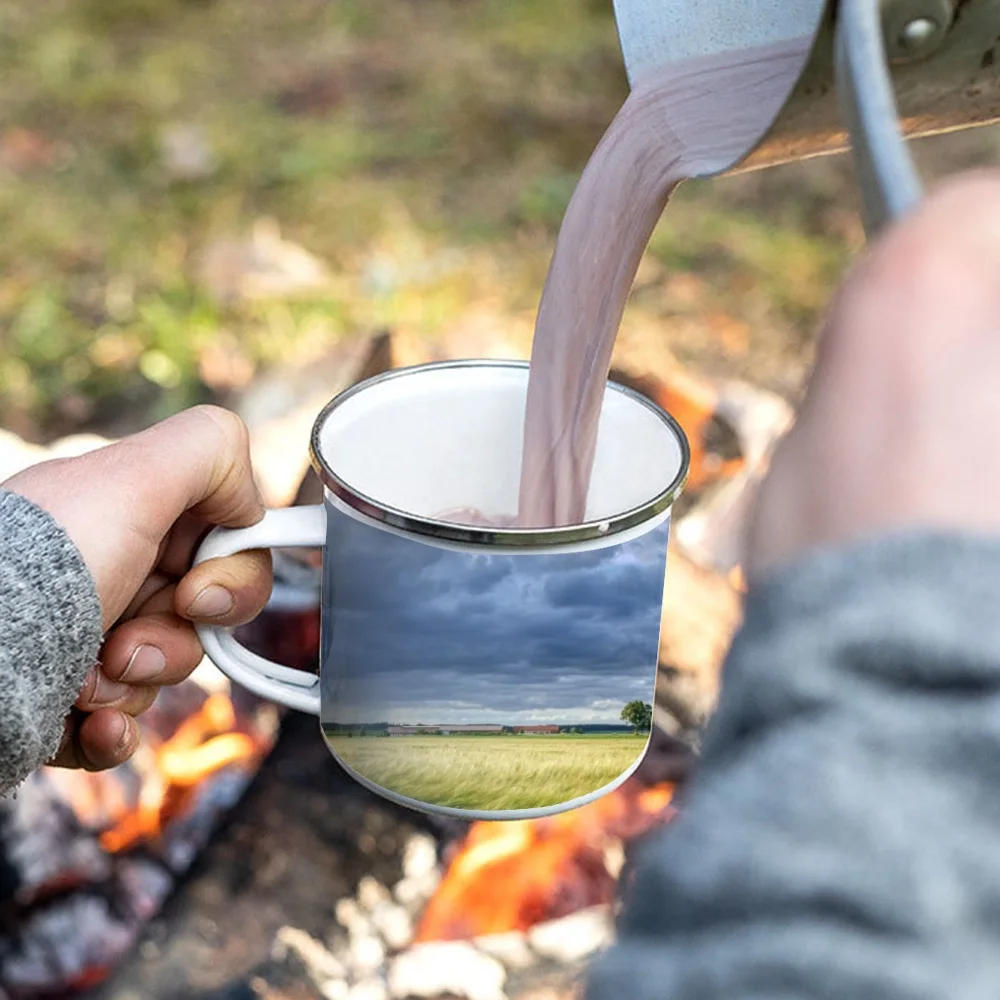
point(487, 772)
point(433, 145)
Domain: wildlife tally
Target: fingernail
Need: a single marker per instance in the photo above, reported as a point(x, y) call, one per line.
point(146, 664)
point(107, 691)
point(213, 602)
point(126, 738)
point(119, 730)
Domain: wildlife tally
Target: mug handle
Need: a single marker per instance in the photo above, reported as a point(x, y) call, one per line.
point(288, 527)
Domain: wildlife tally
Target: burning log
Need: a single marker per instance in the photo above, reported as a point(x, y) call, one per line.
point(87, 858)
point(716, 451)
point(519, 912)
point(317, 907)
point(701, 611)
point(373, 955)
point(732, 429)
point(280, 407)
point(549, 868)
point(713, 534)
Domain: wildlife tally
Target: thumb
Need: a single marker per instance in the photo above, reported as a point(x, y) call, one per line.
point(229, 591)
point(199, 461)
point(119, 503)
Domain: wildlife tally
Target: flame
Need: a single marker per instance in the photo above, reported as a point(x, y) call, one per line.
point(166, 773)
point(655, 800)
point(693, 403)
point(184, 768)
point(511, 875)
point(693, 411)
point(216, 715)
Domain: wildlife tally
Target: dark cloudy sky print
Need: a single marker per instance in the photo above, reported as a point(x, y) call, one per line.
point(431, 635)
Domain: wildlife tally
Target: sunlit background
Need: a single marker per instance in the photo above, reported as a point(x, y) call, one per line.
point(418, 156)
point(201, 197)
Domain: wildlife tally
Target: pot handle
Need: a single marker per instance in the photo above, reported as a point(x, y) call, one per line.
point(889, 183)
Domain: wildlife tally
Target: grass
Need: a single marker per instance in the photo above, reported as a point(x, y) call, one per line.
point(491, 773)
point(425, 151)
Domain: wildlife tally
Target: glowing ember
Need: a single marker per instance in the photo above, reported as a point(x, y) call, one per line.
point(511, 875)
point(199, 747)
point(92, 856)
point(693, 403)
point(131, 805)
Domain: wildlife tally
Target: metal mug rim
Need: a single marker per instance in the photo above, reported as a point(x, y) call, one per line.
point(501, 537)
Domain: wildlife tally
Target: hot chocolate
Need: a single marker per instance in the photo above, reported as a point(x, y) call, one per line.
point(688, 120)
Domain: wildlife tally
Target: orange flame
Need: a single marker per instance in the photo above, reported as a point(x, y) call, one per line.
point(693, 403)
point(511, 875)
point(201, 745)
point(135, 806)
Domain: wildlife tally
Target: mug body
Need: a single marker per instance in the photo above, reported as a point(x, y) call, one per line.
point(487, 672)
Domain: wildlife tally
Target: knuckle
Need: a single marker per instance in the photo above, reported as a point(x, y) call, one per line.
point(226, 423)
point(129, 743)
point(941, 247)
point(906, 275)
point(972, 192)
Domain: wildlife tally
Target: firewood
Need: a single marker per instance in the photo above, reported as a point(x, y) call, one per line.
point(701, 611)
point(281, 407)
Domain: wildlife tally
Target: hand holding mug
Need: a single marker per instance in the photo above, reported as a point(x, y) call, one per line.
point(478, 670)
point(136, 510)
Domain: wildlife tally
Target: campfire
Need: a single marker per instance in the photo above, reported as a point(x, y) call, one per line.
point(88, 858)
point(503, 910)
point(547, 868)
point(485, 911)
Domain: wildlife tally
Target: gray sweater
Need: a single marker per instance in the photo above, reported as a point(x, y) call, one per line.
point(840, 840)
point(50, 633)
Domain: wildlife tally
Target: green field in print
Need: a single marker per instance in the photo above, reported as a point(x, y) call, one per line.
point(490, 772)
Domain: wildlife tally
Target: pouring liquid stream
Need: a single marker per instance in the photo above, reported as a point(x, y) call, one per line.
point(690, 119)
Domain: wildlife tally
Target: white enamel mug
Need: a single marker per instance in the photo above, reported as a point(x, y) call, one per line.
point(477, 672)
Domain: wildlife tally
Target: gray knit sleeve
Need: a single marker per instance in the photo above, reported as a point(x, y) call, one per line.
point(842, 836)
point(50, 633)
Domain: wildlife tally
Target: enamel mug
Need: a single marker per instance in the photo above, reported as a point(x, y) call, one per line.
point(480, 672)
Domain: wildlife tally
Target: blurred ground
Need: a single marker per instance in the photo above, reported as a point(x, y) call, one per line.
point(163, 163)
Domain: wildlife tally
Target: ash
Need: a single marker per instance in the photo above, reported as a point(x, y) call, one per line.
point(370, 954)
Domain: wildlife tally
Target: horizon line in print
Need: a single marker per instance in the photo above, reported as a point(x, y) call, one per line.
point(504, 675)
point(431, 728)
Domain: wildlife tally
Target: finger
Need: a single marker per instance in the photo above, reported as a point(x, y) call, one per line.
point(156, 593)
point(95, 742)
point(99, 692)
point(229, 591)
point(155, 649)
point(181, 544)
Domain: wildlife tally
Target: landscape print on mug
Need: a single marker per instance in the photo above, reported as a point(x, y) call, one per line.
point(489, 682)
